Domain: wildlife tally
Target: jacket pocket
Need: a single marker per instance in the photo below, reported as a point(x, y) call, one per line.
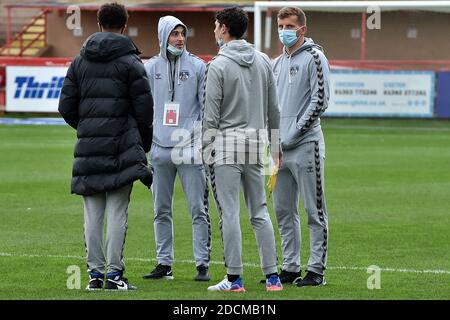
point(288, 131)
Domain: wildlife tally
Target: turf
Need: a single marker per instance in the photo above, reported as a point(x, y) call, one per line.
point(387, 190)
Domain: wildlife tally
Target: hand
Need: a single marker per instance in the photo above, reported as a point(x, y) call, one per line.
point(277, 158)
point(148, 179)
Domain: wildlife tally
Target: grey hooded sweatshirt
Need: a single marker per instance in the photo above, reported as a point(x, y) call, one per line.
point(240, 98)
point(188, 86)
point(303, 92)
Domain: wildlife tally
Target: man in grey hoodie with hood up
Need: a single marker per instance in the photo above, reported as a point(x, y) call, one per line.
point(177, 82)
point(240, 105)
point(302, 74)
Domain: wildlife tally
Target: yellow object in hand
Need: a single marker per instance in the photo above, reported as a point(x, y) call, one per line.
point(273, 179)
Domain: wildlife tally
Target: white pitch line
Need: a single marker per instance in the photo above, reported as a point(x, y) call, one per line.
point(245, 264)
point(375, 127)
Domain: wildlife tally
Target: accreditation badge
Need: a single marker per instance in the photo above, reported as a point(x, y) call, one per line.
point(171, 113)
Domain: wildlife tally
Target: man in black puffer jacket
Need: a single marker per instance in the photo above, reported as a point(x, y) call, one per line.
point(106, 98)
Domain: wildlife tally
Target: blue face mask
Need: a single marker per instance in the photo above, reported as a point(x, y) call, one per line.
point(220, 43)
point(288, 37)
point(175, 51)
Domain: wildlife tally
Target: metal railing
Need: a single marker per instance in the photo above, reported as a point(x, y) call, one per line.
point(25, 44)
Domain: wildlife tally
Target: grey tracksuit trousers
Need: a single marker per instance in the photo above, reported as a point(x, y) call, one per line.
point(195, 187)
point(302, 172)
point(225, 181)
point(115, 204)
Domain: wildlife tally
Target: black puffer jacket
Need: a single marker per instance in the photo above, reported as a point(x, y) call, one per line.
point(106, 98)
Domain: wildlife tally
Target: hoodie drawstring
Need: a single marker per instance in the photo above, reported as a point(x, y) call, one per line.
point(289, 69)
point(168, 74)
point(280, 63)
point(171, 78)
point(178, 72)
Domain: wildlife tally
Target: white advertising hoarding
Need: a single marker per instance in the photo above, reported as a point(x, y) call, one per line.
point(353, 93)
point(362, 93)
point(33, 89)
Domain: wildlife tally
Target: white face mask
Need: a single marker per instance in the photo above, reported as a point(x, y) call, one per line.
point(175, 51)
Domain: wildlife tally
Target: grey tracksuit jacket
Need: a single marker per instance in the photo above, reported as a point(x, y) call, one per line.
point(188, 88)
point(301, 101)
point(241, 97)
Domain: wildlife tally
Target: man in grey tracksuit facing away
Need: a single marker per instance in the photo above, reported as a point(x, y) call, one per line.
point(177, 83)
point(240, 102)
point(302, 76)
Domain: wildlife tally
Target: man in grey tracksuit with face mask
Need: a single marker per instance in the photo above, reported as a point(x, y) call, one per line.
point(240, 103)
point(302, 75)
point(177, 83)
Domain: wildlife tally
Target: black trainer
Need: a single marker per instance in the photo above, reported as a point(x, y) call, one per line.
point(202, 273)
point(160, 272)
point(96, 281)
point(116, 281)
point(287, 277)
point(312, 279)
point(290, 277)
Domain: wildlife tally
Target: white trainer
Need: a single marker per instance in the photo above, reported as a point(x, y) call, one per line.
point(223, 285)
point(228, 286)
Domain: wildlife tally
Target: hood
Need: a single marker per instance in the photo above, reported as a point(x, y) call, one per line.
point(107, 46)
point(309, 43)
point(239, 51)
point(165, 26)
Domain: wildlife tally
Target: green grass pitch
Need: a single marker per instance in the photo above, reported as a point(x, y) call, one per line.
point(387, 188)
